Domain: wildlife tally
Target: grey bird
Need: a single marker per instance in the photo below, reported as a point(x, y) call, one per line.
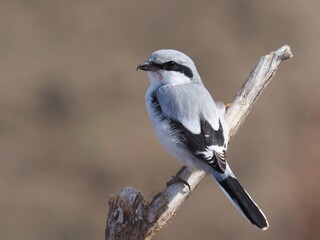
point(191, 126)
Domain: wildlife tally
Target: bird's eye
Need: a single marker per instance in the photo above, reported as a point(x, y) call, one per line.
point(169, 65)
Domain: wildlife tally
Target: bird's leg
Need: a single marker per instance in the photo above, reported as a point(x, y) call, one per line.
point(176, 179)
point(228, 105)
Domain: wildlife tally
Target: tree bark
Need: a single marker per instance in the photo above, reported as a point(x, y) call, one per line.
point(132, 217)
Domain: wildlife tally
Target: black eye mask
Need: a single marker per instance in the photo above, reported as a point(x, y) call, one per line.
point(173, 66)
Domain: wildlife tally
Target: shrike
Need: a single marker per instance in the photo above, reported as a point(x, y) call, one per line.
point(191, 126)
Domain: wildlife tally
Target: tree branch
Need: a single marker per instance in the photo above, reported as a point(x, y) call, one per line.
point(132, 217)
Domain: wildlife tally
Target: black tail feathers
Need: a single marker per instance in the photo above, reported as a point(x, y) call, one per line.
point(241, 199)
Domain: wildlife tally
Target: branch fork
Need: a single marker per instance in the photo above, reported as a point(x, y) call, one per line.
point(132, 217)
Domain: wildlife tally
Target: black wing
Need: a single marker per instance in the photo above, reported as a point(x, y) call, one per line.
point(203, 145)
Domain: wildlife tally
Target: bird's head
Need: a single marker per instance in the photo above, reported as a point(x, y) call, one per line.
point(169, 67)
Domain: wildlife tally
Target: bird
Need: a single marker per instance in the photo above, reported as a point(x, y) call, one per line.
point(191, 126)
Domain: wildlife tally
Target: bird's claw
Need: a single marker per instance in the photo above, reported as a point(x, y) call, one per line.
point(228, 105)
point(175, 180)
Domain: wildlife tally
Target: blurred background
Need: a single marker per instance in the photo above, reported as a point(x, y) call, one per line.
point(74, 129)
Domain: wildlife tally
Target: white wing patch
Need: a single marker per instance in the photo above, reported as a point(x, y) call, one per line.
point(220, 152)
point(210, 151)
point(207, 153)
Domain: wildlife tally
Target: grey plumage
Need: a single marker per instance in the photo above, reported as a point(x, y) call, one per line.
point(191, 125)
point(179, 104)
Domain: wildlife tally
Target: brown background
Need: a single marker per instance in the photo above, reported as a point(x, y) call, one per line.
point(74, 129)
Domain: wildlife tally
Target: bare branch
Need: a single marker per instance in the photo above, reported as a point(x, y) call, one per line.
point(132, 217)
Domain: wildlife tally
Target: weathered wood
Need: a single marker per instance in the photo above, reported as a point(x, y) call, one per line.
point(132, 217)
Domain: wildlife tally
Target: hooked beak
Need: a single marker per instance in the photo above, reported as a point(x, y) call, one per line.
point(147, 66)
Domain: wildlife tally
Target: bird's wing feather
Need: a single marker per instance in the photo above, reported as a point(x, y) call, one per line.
point(207, 146)
point(192, 127)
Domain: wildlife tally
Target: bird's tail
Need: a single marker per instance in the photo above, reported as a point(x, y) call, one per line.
point(240, 198)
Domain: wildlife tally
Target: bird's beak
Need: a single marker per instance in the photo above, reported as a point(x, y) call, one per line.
point(147, 66)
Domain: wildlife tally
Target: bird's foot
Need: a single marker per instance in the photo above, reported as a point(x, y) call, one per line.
point(228, 105)
point(176, 179)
